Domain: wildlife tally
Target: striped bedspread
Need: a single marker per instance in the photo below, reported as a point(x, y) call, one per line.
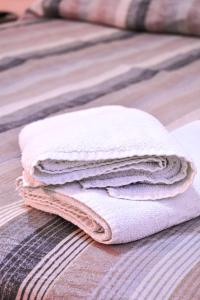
point(55, 66)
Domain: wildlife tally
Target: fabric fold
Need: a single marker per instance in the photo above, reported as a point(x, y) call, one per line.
point(110, 220)
point(125, 151)
point(155, 16)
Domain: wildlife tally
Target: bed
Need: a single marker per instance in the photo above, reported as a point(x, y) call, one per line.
point(51, 66)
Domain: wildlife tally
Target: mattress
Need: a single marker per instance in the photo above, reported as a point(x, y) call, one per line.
point(49, 67)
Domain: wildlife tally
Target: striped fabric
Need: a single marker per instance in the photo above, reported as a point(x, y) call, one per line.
point(173, 16)
point(55, 66)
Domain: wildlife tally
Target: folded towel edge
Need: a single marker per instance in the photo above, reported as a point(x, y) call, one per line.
point(70, 209)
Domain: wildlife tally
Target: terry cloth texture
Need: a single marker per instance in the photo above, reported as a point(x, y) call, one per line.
point(124, 148)
point(173, 16)
point(110, 220)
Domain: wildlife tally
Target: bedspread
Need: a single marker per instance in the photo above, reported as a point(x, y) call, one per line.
point(54, 66)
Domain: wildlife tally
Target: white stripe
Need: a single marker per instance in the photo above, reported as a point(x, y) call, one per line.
point(158, 271)
point(127, 276)
point(10, 210)
point(125, 267)
point(55, 269)
point(13, 215)
point(86, 242)
point(178, 271)
point(17, 203)
point(36, 273)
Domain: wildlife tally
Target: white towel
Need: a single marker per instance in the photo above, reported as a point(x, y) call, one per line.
point(126, 151)
point(110, 220)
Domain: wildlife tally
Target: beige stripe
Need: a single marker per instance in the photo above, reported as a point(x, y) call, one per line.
point(83, 60)
point(45, 45)
point(48, 29)
point(33, 47)
point(109, 62)
point(9, 171)
point(65, 29)
point(153, 95)
point(177, 275)
point(182, 99)
point(68, 76)
point(70, 8)
point(193, 19)
point(156, 16)
point(193, 289)
point(13, 80)
point(182, 14)
point(167, 54)
point(165, 87)
point(65, 89)
point(173, 259)
point(121, 14)
point(186, 287)
point(160, 49)
point(48, 39)
point(56, 29)
point(58, 76)
point(9, 150)
point(85, 274)
point(191, 116)
point(37, 7)
point(105, 12)
point(101, 53)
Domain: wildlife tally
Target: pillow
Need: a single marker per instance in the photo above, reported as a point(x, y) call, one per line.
point(174, 16)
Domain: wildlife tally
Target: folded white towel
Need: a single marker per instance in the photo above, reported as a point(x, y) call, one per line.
point(110, 220)
point(125, 151)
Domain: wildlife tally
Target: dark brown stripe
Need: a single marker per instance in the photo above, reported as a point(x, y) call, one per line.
point(137, 13)
point(141, 14)
point(51, 8)
point(22, 259)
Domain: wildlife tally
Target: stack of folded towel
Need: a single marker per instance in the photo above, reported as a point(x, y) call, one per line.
point(113, 171)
